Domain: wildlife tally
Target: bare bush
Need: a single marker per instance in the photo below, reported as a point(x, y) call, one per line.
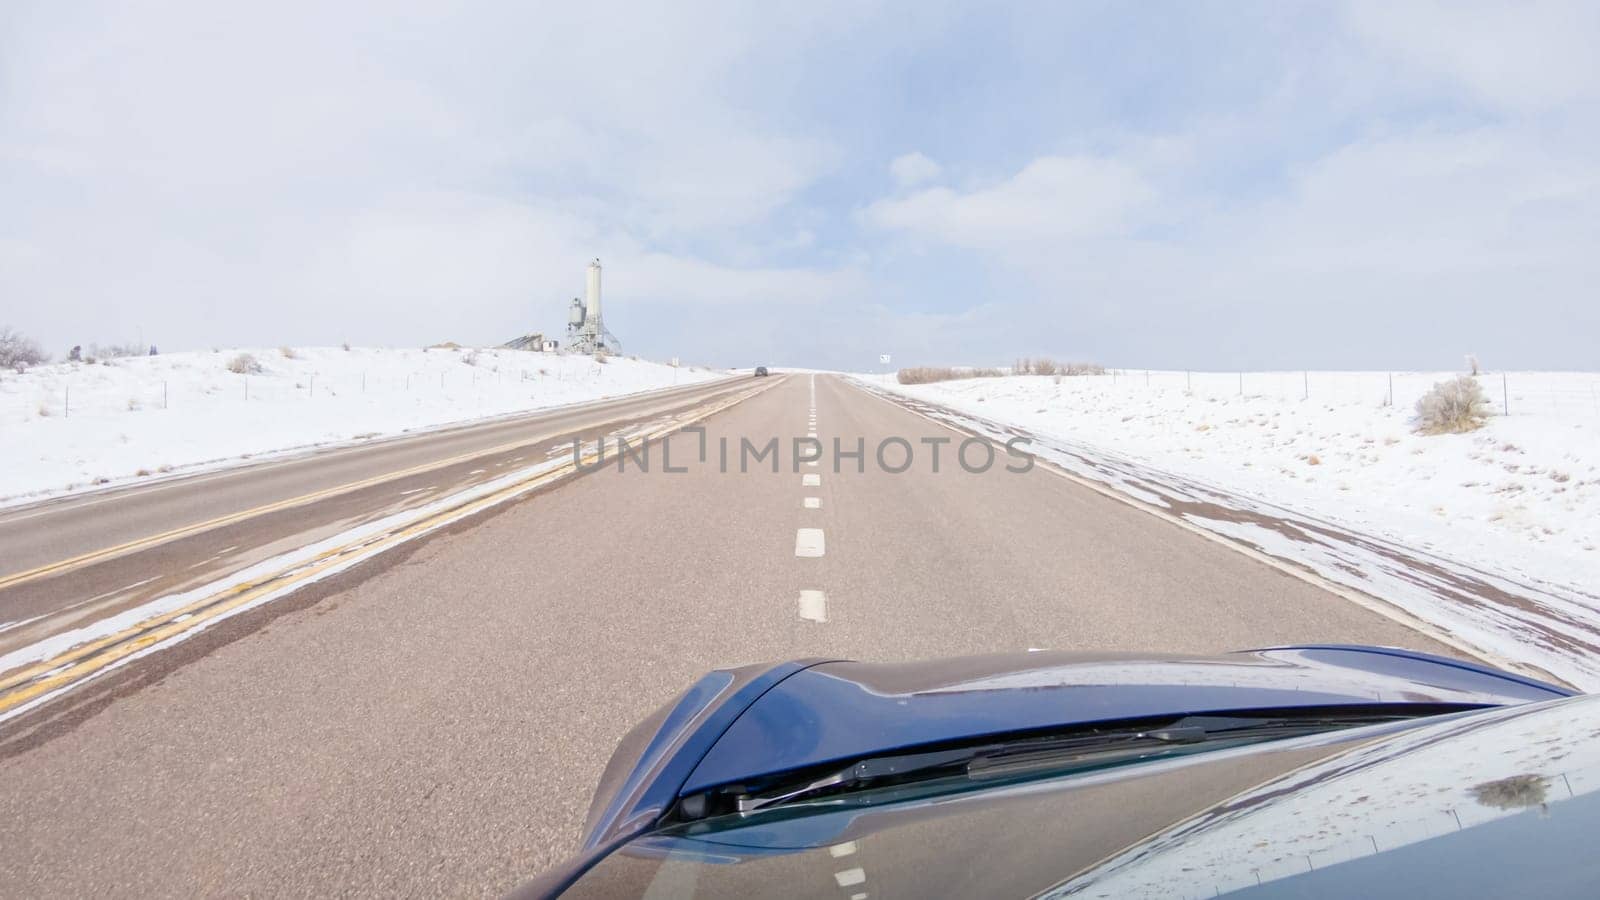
point(18, 351)
point(1046, 366)
point(1472, 363)
point(245, 364)
point(288, 353)
point(1452, 407)
point(96, 352)
point(346, 346)
point(470, 358)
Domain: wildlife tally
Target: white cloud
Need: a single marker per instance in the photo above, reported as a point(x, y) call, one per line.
point(913, 168)
point(1517, 55)
point(1053, 199)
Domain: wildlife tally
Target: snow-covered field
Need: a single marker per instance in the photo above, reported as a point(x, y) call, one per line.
point(70, 426)
point(1493, 537)
point(1522, 494)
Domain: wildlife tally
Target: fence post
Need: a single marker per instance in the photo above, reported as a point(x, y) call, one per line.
point(1146, 377)
point(1391, 390)
point(1505, 394)
point(1241, 384)
point(163, 395)
point(1188, 384)
point(66, 390)
point(247, 387)
point(311, 389)
point(1306, 378)
point(441, 381)
point(363, 382)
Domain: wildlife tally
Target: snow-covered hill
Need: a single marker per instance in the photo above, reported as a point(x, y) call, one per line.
point(70, 426)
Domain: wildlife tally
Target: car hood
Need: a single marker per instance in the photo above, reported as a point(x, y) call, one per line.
point(837, 711)
point(1493, 803)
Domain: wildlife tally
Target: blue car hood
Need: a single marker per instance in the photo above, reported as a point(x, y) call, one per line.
point(839, 711)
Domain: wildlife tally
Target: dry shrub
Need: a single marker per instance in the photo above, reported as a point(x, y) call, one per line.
point(18, 351)
point(1047, 366)
point(288, 353)
point(98, 352)
point(1452, 407)
point(245, 364)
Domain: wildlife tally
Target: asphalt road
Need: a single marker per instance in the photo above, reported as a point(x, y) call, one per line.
point(432, 722)
point(226, 520)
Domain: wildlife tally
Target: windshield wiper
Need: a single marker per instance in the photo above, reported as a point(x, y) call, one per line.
point(975, 761)
point(1084, 748)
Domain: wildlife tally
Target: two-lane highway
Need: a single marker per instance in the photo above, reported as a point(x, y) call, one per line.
point(80, 559)
point(434, 725)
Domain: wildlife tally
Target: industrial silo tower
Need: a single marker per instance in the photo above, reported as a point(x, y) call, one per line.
point(586, 329)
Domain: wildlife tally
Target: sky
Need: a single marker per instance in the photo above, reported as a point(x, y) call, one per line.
point(1221, 186)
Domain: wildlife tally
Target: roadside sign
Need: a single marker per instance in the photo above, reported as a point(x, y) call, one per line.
point(674, 362)
point(883, 358)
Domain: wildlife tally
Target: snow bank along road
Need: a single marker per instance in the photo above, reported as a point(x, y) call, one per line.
point(69, 426)
point(431, 720)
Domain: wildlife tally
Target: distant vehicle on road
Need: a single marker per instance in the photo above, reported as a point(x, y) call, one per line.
point(1309, 771)
point(760, 371)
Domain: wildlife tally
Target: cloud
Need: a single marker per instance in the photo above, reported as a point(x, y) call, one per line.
point(913, 168)
point(1052, 199)
point(1515, 55)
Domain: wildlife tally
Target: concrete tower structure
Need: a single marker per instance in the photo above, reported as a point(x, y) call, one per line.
point(586, 328)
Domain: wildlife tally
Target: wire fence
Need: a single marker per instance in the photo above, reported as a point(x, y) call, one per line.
point(1572, 395)
point(88, 391)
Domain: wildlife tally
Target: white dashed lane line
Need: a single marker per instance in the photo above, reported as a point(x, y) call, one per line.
point(813, 606)
point(810, 480)
point(812, 503)
point(808, 543)
point(850, 877)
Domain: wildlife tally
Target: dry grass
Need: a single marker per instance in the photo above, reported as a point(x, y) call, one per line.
point(930, 374)
point(288, 353)
point(1023, 366)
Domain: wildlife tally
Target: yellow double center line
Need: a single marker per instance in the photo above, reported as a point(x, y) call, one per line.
point(144, 543)
point(88, 659)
